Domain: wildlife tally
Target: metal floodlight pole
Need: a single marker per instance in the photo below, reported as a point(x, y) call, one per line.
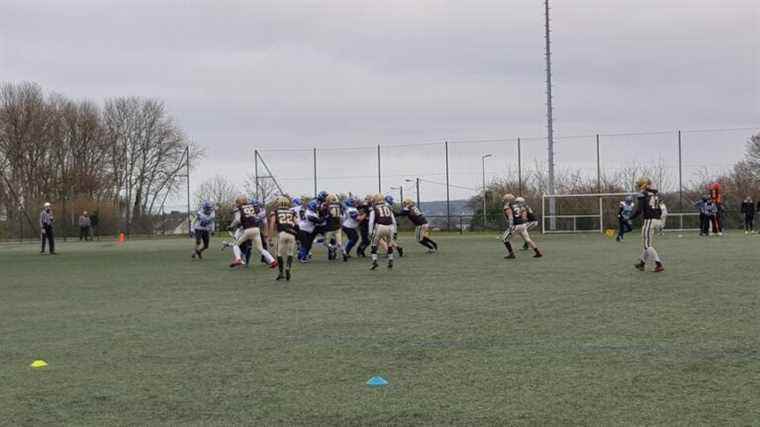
point(379, 179)
point(483, 160)
point(549, 116)
point(256, 173)
point(519, 167)
point(598, 167)
point(680, 174)
point(418, 192)
point(315, 171)
point(448, 197)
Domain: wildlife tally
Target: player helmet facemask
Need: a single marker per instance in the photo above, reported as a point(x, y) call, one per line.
point(520, 200)
point(407, 202)
point(241, 200)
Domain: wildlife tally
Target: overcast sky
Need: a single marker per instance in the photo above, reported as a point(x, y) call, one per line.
point(239, 75)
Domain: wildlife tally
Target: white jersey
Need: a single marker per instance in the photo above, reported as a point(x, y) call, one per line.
point(204, 221)
point(262, 214)
point(304, 223)
point(350, 216)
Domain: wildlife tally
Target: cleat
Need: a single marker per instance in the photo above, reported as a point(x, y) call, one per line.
point(400, 251)
point(345, 258)
point(659, 268)
point(617, 239)
point(195, 253)
point(390, 264)
point(538, 254)
point(640, 266)
point(374, 265)
point(236, 263)
point(279, 277)
point(510, 256)
point(287, 275)
point(200, 255)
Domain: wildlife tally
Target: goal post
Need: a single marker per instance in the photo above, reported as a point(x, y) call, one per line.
point(597, 212)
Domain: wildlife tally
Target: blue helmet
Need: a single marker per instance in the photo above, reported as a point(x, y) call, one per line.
point(296, 201)
point(207, 206)
point(389, 199)
point(350, 202)
point(629, 199)
point(322, 196)
point(313, 205)
point(255, 202)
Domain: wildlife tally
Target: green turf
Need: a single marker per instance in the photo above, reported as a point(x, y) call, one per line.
point(142, 334)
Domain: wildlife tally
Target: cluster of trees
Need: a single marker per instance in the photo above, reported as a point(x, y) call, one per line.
point(124, 158)
point(741, 181)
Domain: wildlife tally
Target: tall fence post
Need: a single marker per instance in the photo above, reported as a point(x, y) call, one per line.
point(315, 171)
point(379, 179)
point(680, 174)
point(519, 166)
point(256, 174)
point(598, 167)
point(448, 196)
point(189, 221)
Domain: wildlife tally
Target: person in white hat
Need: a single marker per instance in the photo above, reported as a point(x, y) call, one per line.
point(46, 228)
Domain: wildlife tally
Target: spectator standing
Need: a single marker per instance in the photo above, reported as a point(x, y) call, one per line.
point(46, 229)
point(84, 227)
point(748, 209)
point(704, 216)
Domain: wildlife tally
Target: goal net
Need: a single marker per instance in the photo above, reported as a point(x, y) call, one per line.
point(597, 213)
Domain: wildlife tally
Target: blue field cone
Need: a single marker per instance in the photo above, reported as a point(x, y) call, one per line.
point(377, 382)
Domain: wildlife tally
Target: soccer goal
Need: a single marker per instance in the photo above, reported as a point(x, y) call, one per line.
point(596, 213)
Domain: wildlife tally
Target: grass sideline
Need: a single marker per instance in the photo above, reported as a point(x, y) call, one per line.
point(142, 334)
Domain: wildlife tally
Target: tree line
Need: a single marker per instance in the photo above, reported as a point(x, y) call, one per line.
point(124, 157)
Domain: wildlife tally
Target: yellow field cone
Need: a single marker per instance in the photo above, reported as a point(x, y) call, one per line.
point(38, 364)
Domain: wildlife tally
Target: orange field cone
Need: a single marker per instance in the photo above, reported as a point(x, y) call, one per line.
point(122, 238)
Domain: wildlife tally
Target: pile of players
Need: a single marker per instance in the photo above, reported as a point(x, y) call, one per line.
point(292, 227)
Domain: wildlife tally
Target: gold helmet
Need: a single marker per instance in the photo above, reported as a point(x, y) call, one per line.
point(643, 183)
point(241, 200)
point(378, 198)
point(407, 202)
point(283, 202)
point(332, 198)
point(508, 198)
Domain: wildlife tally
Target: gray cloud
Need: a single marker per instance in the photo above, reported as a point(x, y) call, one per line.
point(274, 74)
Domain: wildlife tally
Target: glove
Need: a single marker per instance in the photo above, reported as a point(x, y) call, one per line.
point(395, 235)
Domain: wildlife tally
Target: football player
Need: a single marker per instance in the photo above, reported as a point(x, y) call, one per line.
point(307, 226)
point(390, 202)
point(246, 215)
point(382, 226)
point(364, 208)
point(649, 209)
point(350, 225)
point(421, 226)
point(517, 222)
point(333, 214)
point(203, 226)
point(532, 220)
point(624, 217)
point(282, 223)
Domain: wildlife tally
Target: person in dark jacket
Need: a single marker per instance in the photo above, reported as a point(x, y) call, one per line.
point(704, 216)
point(748, 209)
point(46, 229)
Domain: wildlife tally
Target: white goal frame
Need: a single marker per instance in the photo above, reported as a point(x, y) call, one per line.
point(598, 215)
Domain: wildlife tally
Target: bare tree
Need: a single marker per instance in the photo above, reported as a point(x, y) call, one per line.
point(218, 190)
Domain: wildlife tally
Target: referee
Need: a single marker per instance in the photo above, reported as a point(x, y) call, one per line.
point(46, 229)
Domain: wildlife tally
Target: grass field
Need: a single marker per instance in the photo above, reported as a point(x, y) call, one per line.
point(142, 334)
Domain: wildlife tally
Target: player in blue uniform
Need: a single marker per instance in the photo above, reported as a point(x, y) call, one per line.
point(624, 217)
point(203, 227)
